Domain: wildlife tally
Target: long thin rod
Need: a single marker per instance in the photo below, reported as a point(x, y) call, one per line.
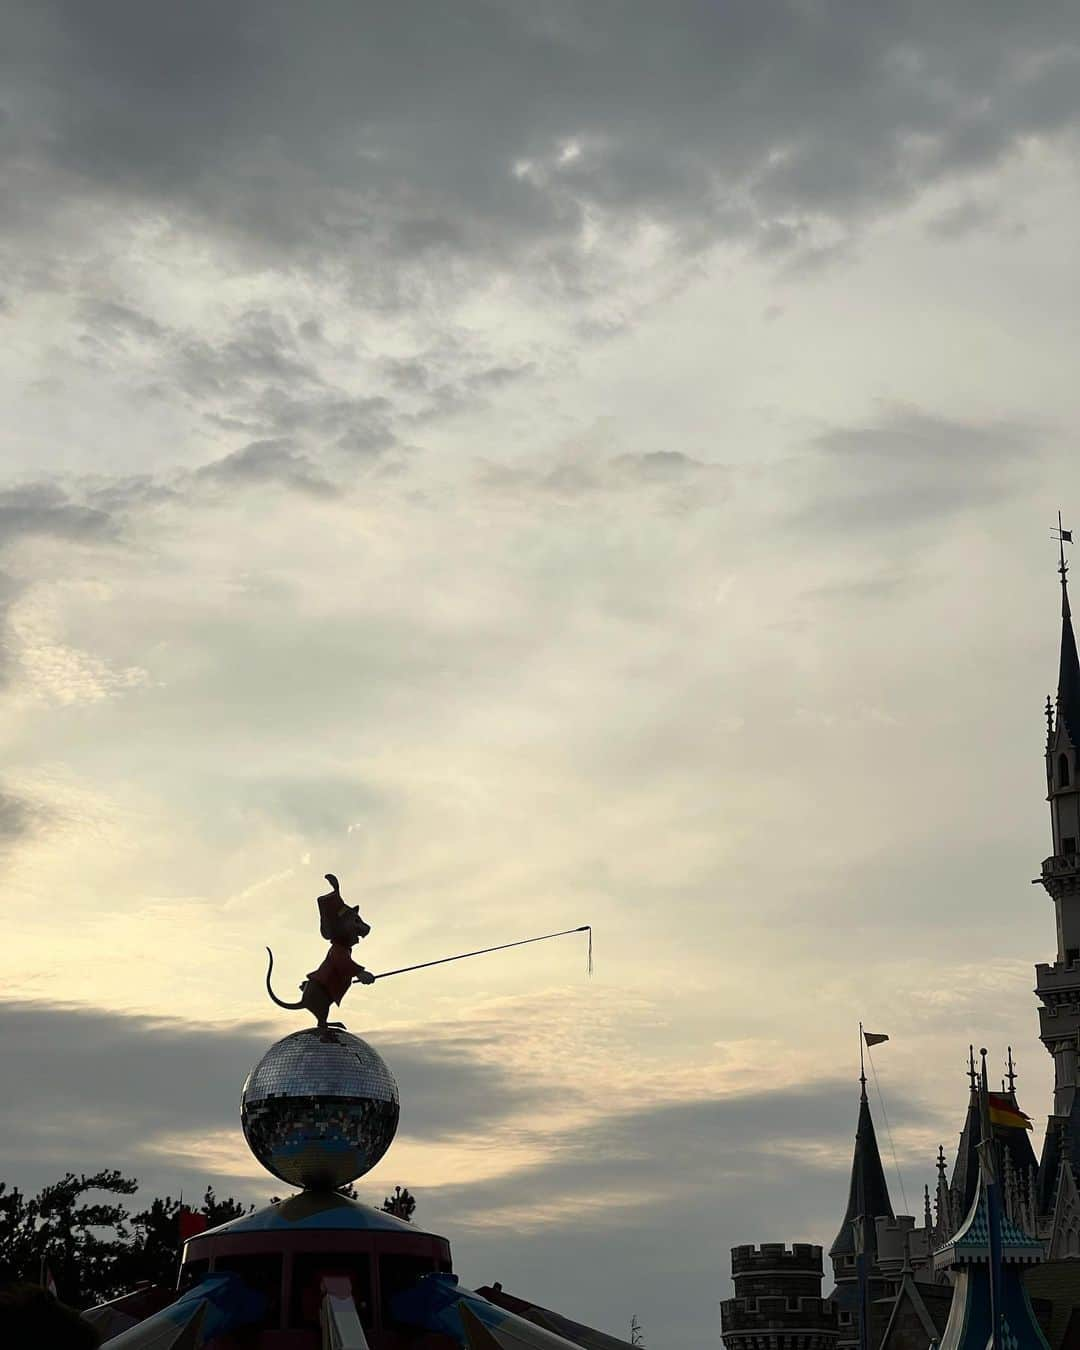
point(404, 970)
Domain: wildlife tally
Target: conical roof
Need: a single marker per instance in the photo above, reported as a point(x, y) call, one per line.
point(965, 1177)
point(868, 1195)
point(1068, 695)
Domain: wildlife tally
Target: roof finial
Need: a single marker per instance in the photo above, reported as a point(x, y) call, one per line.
point(1049, 720)
point(971, 1067)
point(941, 1164)
point(862, 1067)
point(1063, 537)
point(1010, 1072)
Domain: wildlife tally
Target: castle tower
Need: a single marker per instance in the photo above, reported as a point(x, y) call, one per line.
point(778, 1303)
point(868, 1201)
point(1058, 985)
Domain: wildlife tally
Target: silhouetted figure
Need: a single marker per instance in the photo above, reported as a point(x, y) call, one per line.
point(343, 928)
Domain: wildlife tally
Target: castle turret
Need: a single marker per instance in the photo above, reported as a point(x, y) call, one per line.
point(868, 1201)
point(778, 1303)
point(1058, 984)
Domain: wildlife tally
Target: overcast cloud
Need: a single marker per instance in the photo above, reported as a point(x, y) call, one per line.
point(546, 465)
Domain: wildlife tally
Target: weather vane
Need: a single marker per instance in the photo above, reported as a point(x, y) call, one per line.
point(1063, 537)
point(343, 928)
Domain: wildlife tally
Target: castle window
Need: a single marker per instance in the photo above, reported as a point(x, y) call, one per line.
point(1063, 770)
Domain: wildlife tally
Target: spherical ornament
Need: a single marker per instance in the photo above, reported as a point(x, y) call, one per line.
point(319, 1109)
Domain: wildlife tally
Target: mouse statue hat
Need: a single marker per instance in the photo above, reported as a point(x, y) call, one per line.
point(339, 922)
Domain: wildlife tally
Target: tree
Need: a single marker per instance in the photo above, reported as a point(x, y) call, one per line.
point(401, 1204)
point(155, 1253)
point(96, 1251)
point(83, 1243)
point(222, 1211)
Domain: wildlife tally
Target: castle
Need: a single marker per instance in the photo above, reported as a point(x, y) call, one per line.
point(926, 1285)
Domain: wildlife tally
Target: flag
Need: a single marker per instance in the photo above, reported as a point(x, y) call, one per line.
point(874, 1037)
point(1067, 536)
point(47, 1279)
point(191, 1223)
point(1004, 1113)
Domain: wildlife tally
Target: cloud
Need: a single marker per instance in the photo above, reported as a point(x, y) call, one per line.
point(909, 466)
point(501, 133)
point(112, 1087)
point(20, 817)
point(46, 509)
point(264, 462)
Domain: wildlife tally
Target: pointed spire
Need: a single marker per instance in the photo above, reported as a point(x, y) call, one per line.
point(942, 1204)
point(868, 1193)
point(928, 1217)
point(1010, 1073)
point(1068, 694)
point(965, 1176)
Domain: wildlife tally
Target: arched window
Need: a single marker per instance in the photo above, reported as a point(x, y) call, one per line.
point(1063, 770)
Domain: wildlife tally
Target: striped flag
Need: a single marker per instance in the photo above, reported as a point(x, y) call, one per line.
point(1004, 1113)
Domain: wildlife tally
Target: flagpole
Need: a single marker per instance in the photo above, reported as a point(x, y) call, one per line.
point(861, 1227)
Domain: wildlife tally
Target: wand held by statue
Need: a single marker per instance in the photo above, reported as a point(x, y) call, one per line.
point(546, 937)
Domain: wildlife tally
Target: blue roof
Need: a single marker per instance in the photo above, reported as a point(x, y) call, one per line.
point(972, 1241)
point(314, 1210)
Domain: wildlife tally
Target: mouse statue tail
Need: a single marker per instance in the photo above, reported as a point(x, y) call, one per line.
point(280, 1002)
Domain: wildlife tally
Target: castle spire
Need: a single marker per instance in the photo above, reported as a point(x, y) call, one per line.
point(868, 1193)
point(943, 1229)
point(1068, 695)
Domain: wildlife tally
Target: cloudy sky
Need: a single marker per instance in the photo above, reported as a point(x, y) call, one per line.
point(547, 464)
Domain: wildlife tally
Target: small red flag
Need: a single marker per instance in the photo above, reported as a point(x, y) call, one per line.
point(192, 1223)
point(48, 1281)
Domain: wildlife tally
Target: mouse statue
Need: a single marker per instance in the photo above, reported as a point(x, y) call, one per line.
point(343, 928)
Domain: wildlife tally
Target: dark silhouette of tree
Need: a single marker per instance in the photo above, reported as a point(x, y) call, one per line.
point(402, 1204)
point(222, 1211)
point(83, 1242)
point(155, 1253)
point(96, 1251)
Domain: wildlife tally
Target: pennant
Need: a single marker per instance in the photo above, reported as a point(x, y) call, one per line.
point(874, 1037)
point(48, 1281)
point(1003, 1113)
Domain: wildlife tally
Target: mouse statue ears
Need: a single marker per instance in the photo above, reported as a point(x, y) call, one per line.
point(339, 922)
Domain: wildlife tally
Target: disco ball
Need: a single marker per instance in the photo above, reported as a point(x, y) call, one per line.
point(319, 1109)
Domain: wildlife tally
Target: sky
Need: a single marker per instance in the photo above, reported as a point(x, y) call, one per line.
point(545, 464)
